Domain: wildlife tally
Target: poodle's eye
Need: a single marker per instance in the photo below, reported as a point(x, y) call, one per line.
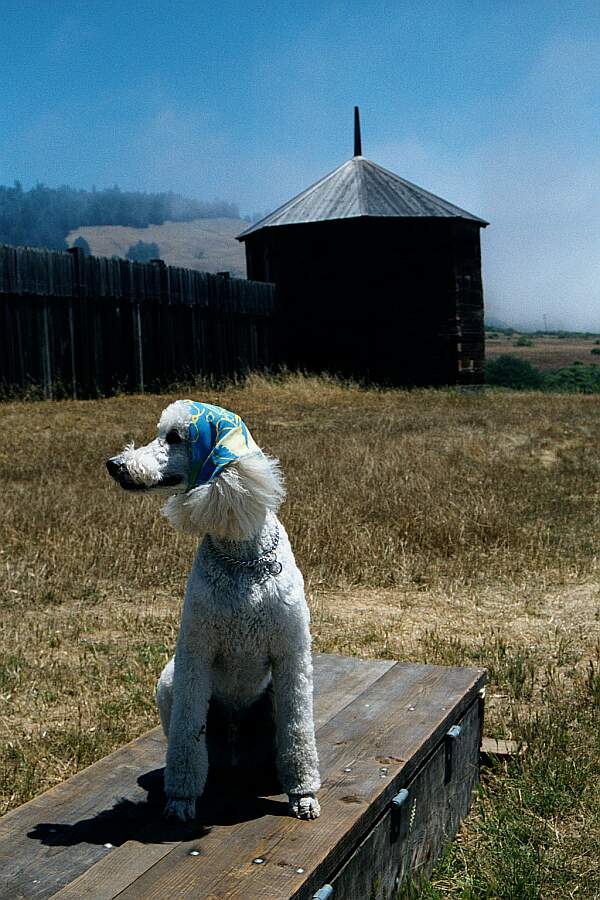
point(173, 437)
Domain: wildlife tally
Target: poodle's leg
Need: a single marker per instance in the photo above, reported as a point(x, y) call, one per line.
point(187, 757)
point(164, 695)
point(297, 760)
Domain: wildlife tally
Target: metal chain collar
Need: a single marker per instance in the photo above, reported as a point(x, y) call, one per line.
point(267, 564)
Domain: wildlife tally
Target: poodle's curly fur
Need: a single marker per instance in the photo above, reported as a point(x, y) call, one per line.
point(242, 639)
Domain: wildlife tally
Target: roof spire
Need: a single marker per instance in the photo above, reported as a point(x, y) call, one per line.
point(357, 141)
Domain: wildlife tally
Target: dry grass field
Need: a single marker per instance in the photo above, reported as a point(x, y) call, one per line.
point(547, 351)
point(430, 525)
point(205, 244)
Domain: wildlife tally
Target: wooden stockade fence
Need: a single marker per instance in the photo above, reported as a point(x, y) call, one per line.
point(86, 326)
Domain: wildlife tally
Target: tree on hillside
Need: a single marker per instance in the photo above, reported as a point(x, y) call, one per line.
point(83, 245)
point(143, 251)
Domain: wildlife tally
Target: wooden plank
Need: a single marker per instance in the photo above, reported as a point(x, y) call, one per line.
point(54, 837)
point(339, 679)
point(431, 702)
point(61, 833)
point(337, 682)
point(100, 385)
point(138, 354)
point(404, 845)
point(46, 351)
point(494, 749)
point(114, 872)
point(72, 351)
point(395, 723)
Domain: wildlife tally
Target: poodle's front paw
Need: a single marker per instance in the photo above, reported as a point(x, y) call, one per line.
point(183, 810)
point(304, 806)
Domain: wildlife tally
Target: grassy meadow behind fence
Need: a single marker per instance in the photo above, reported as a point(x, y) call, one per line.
point(430, 525)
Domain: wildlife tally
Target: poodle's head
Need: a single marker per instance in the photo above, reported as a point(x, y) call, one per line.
point(219, 480)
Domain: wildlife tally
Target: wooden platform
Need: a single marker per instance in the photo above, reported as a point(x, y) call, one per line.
point(385, 730)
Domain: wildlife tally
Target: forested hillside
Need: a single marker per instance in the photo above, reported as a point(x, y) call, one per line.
point(43, 216)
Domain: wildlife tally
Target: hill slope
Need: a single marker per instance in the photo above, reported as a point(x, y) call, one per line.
point(205, 244)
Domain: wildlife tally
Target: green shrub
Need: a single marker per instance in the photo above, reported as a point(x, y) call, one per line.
point(595, 351)
point(574, 379)
point(512, 372)
point(523, 341)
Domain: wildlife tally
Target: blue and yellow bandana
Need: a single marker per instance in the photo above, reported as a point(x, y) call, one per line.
point(216, 437)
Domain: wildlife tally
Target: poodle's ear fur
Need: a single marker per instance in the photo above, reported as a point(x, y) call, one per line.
point(232, 506)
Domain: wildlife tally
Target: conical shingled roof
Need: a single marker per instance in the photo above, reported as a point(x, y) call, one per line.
point(359, 188)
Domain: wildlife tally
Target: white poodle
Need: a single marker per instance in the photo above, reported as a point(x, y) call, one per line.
point(244, 642)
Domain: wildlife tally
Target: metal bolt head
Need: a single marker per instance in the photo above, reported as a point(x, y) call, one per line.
point(108, 846)
point(258, 861)
point(348, 769)
point(299, 871)
point(194, 853)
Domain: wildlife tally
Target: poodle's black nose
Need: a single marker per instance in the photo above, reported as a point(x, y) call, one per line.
point(114, 467)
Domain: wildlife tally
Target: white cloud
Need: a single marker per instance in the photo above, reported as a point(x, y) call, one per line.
point(537, 181)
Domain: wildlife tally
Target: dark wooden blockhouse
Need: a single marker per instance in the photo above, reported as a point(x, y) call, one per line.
point(376, 278)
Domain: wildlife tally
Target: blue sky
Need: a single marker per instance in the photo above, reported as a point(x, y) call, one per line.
point(493, 105)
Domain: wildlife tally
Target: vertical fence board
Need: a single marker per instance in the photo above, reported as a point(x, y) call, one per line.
point(138, 347)
point(72, 350)
point(46, 352)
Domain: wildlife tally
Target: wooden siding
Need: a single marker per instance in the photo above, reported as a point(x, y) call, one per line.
point(397, 301)
point(88, 326)
point(470, 332)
